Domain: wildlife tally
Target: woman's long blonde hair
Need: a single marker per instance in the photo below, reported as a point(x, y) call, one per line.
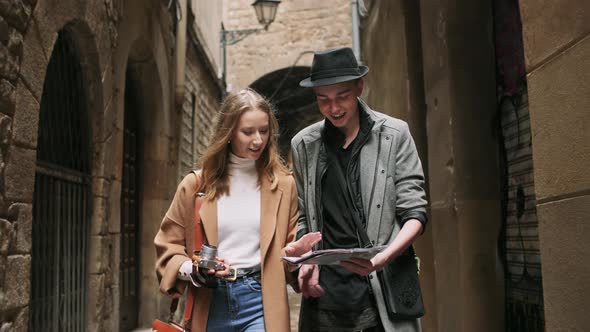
point(214, 162)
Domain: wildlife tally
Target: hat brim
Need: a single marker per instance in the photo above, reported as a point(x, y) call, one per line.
point(308, 83)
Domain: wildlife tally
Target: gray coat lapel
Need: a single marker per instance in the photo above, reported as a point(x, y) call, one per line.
point(312, 149)
point(367, 164)
point(372, 180)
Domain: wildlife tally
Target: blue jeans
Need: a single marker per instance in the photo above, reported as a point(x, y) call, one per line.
point(236, 306)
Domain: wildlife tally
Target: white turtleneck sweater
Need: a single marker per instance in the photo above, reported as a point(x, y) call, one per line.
point(238, 216)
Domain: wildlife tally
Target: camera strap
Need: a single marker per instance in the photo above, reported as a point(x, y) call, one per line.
point(198, 240)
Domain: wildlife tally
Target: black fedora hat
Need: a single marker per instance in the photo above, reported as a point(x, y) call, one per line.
point(333, 66)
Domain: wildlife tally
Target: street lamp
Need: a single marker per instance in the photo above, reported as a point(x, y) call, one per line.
point(266, 10)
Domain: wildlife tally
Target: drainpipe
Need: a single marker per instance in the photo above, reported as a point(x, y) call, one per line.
point(180, 52)
point(356, 40)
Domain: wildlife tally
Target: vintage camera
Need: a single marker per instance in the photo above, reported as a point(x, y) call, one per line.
point(207, 258)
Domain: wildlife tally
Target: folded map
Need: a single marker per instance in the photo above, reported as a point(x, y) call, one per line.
point(334, 256)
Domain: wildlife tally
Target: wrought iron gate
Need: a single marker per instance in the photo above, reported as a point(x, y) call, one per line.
point(520, 238)
point(129, 265)
point(523, 278)
point(61, 200)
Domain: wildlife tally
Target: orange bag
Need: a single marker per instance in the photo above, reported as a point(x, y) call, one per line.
point(160, 326)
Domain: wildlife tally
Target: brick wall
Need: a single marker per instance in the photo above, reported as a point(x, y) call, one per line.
point(202, 100)
point(300, 25)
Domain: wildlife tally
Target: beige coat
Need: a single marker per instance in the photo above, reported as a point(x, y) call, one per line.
point(278, 220)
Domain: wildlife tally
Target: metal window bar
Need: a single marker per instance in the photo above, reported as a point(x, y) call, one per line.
point(61, 197)
point(128, 272)
point(524, 290)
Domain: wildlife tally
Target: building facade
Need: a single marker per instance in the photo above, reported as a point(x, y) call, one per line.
point(496, 94)
point(93, 141)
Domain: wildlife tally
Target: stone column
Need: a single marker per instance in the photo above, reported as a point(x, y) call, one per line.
point(463, 163)
point(395, 86)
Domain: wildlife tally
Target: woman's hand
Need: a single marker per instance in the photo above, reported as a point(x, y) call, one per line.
point(208, 277)
point(303, 245)
point(222, 271)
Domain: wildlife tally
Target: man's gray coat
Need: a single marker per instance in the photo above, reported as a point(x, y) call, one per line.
point(391, 183)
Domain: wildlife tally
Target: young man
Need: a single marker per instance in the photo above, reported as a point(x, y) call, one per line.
point(356, 164)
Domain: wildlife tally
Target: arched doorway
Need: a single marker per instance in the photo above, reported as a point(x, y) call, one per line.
point(61, 206)
point(141, 182)
point(131, 184)
point(295, 106)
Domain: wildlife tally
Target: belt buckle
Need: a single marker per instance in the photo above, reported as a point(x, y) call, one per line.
point(233, 277)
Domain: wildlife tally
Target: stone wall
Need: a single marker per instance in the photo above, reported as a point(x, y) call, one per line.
point(112, 36)
point(462, 140)
point(422, 72)
point(557, 54)
point(17, 164)
point(200, 108)
point(395, 86)
point(207, 23)
point(299, 26)
point(463, 159)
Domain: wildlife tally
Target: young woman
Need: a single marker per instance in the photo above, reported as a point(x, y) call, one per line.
point(249, 212)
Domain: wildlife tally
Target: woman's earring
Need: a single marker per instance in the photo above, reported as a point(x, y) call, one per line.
point(228, 142)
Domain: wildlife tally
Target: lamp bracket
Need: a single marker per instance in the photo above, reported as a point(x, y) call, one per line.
point(231, 37)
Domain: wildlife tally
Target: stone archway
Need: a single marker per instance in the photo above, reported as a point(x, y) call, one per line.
point(43, 30)
point(144, 104)
point(62, 205)
point(130, 199)
point(295, 106)
point(141, 63)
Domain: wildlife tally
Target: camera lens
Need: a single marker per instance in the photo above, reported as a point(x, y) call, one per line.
point(207, 257)
point(208, 252)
